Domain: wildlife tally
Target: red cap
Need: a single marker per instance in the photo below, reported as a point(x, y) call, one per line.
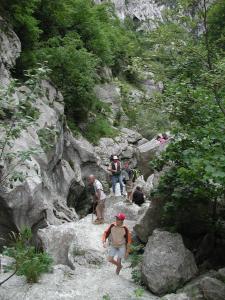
point(121, 216)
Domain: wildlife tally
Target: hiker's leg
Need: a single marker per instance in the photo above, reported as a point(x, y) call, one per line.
point(114, 181)
point(129, 194)
point(98, 211)
point(120, 255)
point(119, 266)
point(112, 261)
point(118, 261)
point(112, 253)
point(121, 183)
point(101, 210)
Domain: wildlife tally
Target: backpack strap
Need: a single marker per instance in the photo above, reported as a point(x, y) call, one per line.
point(107, 232)
point(127, 235)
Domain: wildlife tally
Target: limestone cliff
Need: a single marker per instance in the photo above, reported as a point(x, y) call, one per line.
point(140, 11)
point(53, 190)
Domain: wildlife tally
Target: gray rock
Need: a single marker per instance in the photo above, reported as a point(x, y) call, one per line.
point(150, 220)
point(222, 273)
point(10, 48)
point(124, 145)
point(65, 284)
point(78, 256)
point(114, 205)
point(142, 141)
point(193, 288)
point(109, 93)
point(147, 152)
point(212, 289)
point(139, 11)
point(167, 264)
point(182, 296)
point(146, 186)
point(56, 241)
point(131, 136)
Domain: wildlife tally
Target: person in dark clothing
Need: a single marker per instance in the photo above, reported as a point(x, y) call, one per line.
point(138, 196)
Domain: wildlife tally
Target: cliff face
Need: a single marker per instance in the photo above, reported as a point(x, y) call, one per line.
point(53, 190)
point(9, 51)
point(143, 12)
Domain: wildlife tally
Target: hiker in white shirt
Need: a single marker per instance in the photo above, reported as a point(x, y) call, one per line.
point(99, 198)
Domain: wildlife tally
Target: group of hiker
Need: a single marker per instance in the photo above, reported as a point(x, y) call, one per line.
point(117, 233)
point(125, 176)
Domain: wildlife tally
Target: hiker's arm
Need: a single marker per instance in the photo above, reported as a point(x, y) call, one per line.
point(104, 237)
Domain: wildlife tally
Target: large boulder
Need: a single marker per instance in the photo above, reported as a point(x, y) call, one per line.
point(147, 152)
point(208, 286)
point(124, 145)
point(115, 205)
point(56, 241)
point(212, 289)
point(167, 264)
point(222, 273)
point(181, 296)
point(151, 220)
point(78, 256)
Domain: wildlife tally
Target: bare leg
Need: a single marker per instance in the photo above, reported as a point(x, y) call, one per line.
point(98, 211)
point(119, 266)
point(112, 261)
point(129, 196)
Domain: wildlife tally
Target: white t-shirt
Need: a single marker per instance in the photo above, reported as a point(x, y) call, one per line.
point(98, 186)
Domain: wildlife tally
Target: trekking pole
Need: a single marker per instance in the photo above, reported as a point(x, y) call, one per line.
point(93, 209)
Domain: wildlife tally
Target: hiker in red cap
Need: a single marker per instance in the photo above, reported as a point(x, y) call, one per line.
point(119, 240)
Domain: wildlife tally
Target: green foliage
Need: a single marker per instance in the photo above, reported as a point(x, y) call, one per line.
point(47, 137)
point(106, 297)
point(73, 71)
point(139, 292)
point(73, 127)
point(77, 38)
point(28, 261)
point(99, 128)
point(143, 114)
point(216, 23)
point(20, 13)
point(136, 256)
point(193, 97)
point(136, 276)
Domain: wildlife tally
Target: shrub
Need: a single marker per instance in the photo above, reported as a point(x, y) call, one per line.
point(28, 261)
point(99, 128)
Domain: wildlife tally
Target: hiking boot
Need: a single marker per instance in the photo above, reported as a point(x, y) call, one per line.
point(102, 221)
point(97, 222)
point(118, 269)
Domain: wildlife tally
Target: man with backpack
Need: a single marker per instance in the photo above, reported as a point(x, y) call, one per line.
point(119, 240)
point(116, 171)
point(99, 197)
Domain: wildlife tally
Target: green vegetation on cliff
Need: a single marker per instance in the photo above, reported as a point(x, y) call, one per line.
point(77, 38)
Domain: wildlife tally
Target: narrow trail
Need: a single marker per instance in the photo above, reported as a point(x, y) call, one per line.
point(92, 282)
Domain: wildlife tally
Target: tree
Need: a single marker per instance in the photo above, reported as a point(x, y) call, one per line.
point(193, 96)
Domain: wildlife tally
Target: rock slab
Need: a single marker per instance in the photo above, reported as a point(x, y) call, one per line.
point(167, 264)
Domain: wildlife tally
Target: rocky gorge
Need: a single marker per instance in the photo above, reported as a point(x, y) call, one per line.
point(53, 201)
